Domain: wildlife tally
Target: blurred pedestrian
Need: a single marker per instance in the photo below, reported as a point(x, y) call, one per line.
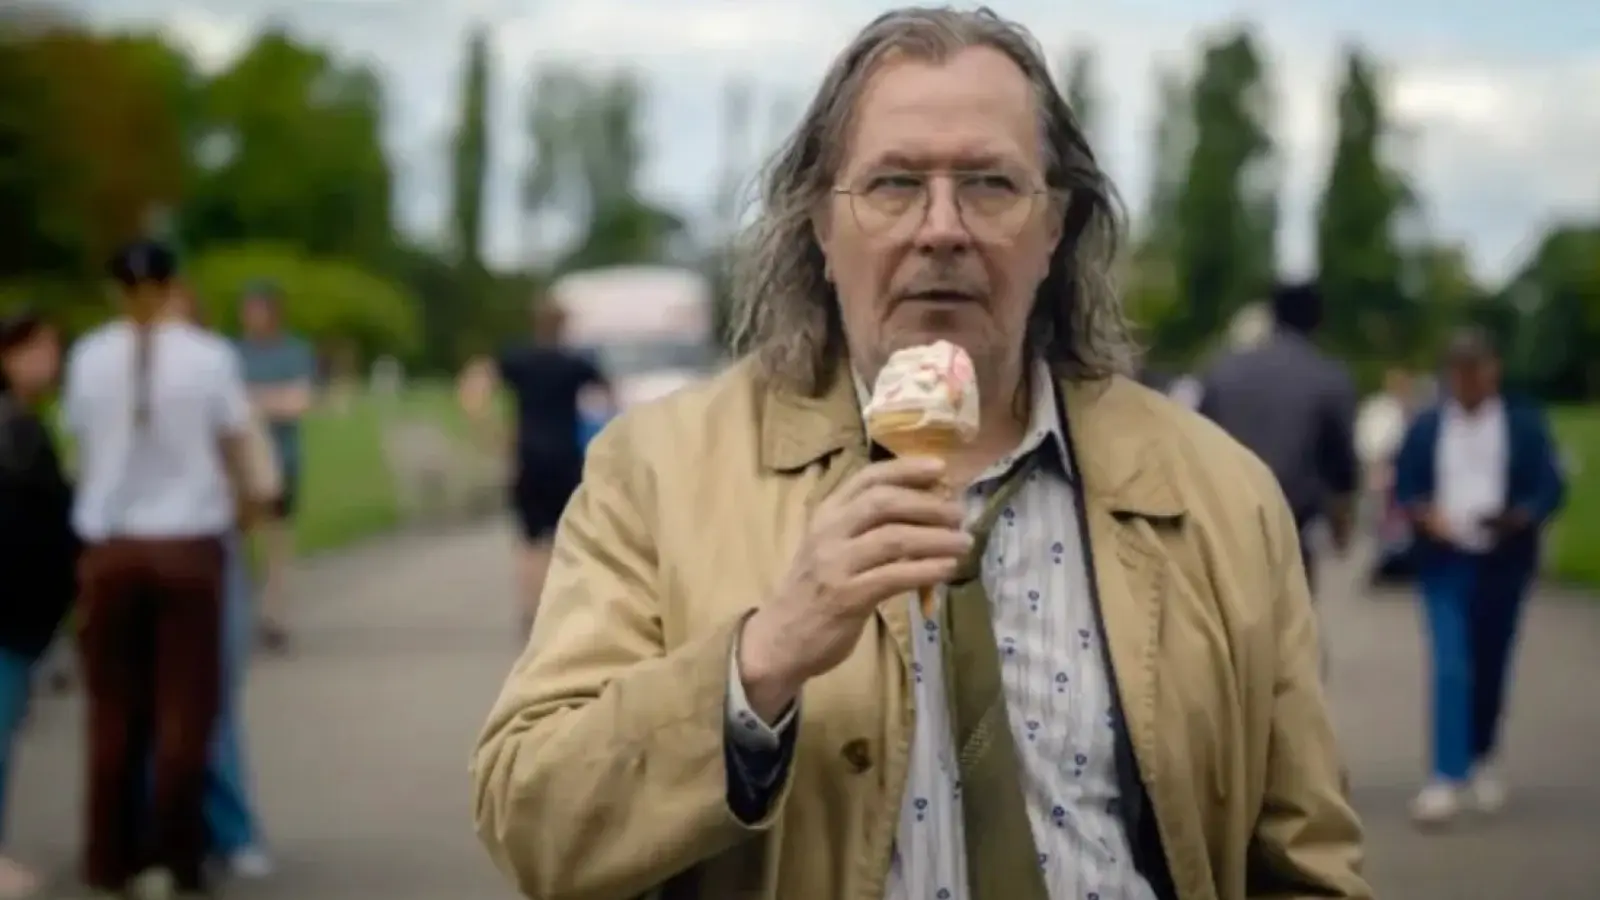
point(558, 396)
point(732, 689)
point(231, 820)
point(280, 370)
point(1381, 424)
point(1294, 407)
point(1478, 473)
point(160, 417)
point(38, 550)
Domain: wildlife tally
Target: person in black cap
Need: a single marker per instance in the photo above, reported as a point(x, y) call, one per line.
point(1478, 475)
point(158, 410)
point(1295, 408)
point(280, 370)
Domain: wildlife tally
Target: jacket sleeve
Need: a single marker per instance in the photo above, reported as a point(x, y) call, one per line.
point(1412, 484)
point(1549, 487)
point(603, 770)
point(1307, 841)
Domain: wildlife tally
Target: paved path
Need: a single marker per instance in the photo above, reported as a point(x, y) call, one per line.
point(361, 740)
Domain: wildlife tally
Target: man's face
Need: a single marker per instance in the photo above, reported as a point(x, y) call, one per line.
point(1474, 380)
point(945, 233)
point(1397, 382)
point(259, 316)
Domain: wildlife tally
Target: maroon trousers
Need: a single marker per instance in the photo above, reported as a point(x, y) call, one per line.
point(151, 640)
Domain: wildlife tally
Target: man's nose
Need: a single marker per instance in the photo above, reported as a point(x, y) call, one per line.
point(942, 228)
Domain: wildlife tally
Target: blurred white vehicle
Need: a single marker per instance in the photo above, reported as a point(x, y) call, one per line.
point(648, 328)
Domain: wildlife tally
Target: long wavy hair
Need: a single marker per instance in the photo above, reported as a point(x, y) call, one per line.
point(786, 313)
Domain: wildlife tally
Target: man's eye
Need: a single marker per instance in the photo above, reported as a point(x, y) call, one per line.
point(894, 183)
point(995, 182)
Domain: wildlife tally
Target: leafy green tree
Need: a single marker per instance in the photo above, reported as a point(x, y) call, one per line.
point(292, 152)
point(332, 302)
point(1371, 316)
point(1078, 83)
point(1225, 214)
point(470, 158)
point(1556, 295)
point(1151, 289)
point(93, 144)
point(587, 155)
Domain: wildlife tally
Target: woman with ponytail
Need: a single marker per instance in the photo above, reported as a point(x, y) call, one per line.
point(161, 420)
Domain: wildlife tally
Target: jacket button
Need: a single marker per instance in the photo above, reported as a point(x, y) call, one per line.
point(857, 755)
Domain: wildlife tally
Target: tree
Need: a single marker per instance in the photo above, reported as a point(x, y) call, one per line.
point(586, 161)
point(470, 160)
point(1079, 85)
point(1226, 208)
point(1151, 287)
point(1557, 297)
point(1370, 314)
point(332, 302)
point(292, 152)
point(93, 145)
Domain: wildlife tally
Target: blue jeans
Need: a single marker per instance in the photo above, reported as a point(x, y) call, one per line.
point(15, 672)
point(1472, 606)
point(230, 815)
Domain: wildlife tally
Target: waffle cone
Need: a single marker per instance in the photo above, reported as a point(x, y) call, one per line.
point(935, 441)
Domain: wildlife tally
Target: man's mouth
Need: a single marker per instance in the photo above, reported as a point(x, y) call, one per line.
point(942, 295)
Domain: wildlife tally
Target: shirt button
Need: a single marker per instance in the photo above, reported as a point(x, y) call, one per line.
point(857, 755)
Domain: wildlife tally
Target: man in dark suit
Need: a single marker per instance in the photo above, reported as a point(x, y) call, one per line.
point(1295, 408)
point(1479, 477)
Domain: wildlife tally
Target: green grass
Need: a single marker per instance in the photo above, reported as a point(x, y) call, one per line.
point(348, 492)
point(1574, 552)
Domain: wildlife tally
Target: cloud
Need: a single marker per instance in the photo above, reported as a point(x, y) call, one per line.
point(1495, 153)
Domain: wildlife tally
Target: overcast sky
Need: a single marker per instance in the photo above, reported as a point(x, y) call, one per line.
point(1504, 94)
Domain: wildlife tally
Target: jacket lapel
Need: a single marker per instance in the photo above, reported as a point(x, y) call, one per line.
point(1127, 495)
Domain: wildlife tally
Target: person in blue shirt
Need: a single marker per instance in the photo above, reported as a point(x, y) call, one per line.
point(1479, 478)
point(280, 371)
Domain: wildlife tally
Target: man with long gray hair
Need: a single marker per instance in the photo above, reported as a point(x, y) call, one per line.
point(731, 690)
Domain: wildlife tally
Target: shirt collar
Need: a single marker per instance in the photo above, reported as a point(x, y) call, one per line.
point(1044, 420)
point(1489, 409)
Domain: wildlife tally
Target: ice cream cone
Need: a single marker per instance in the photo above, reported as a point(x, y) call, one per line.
point(924, 404)
point(936, 442)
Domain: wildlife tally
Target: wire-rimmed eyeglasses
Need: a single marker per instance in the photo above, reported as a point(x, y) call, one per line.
point(993, 204)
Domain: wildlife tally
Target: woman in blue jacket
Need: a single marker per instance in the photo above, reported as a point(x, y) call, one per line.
point(1479, 478)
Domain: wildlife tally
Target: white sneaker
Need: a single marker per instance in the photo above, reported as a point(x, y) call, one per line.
point(153, 884)
point(16, 882)
point(1488, 789)
point(1436, 804)
point(251, 864)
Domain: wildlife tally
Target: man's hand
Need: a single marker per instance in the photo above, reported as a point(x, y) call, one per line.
point(885, 531)
point(1342, 523)
point(1508, 522)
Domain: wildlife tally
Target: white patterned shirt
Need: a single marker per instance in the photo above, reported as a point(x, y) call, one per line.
point(1057, 688)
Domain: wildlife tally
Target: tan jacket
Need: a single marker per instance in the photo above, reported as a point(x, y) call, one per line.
point(601, 774)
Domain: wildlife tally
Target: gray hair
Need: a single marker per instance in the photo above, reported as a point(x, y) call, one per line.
point(786, 313)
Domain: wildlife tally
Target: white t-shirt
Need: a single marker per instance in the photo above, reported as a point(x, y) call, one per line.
point(1471, 471)
point(166, 479)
